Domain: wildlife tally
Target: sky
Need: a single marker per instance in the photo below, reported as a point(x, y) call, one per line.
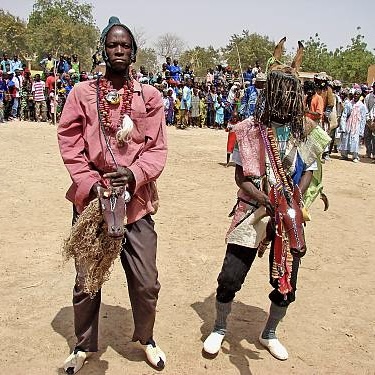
point(212, 22)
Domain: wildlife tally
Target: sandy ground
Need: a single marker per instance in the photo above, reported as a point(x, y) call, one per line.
point(329, 330)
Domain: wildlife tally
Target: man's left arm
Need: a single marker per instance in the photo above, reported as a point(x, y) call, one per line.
point(305, 181)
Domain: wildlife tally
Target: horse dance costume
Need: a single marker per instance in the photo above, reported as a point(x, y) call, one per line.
point(275, 161)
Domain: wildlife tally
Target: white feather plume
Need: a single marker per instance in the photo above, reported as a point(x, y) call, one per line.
point(124, 133)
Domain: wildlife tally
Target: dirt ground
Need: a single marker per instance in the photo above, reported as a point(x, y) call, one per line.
point(329, 330)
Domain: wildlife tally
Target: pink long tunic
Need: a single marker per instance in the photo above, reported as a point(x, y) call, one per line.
point(84, 151)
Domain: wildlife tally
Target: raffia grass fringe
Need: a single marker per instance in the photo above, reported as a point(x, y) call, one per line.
point(92, 249)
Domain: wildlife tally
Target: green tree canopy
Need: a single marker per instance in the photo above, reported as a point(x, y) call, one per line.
point(316, 56)
point(63, 27)
point(351, 64)
point(13, 35)
point(200, 59)
point(251, 48)
point(147, 57)
point(348, 64)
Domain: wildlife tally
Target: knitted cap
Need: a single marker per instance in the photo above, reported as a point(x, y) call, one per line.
point(114, 21)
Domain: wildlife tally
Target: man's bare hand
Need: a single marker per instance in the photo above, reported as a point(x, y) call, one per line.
point(265, 201)
point(122, 177)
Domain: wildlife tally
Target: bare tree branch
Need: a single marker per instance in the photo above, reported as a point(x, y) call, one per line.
point(169, 45)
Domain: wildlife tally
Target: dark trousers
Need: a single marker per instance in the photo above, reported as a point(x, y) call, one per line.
point(369, 139)
point(138, 259)
point(210, 115)
point(237, 263)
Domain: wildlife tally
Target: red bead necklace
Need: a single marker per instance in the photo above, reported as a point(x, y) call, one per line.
point(105, 88)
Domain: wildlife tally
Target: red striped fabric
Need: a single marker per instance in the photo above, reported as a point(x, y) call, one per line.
point(38, 89)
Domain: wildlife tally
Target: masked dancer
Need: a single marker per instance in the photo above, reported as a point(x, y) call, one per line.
point(272, 172)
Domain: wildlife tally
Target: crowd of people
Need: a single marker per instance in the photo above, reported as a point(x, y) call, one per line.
point(225, 97)
point(204, 102)
point(217, 101)
point(346, 114)
point(40, 97)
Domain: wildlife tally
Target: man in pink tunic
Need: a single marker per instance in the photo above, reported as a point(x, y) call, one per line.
point(112, 132)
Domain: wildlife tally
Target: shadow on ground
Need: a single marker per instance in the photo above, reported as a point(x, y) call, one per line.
point(244, 323)
point(115, 331)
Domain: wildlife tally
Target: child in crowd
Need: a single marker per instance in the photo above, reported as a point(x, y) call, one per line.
point(195, 108)
point(231, 135)
point(170, 114)
point(61, 98)
point(166, 105)
point(52, 106)
point(219, 113)
point(202, 110)
point(177, 110)
point(3, 89)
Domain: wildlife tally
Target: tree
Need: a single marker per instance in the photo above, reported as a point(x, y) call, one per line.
point(348, 64)
point(316, 57)
point(63, 27)
point(200, 59)
point(353, 62)
point(147, 57)
point(140, 37)
point(251, 48)
point(169, 45)
point(13, 35)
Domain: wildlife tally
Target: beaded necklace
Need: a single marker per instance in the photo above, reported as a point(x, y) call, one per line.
point(270, 144)
point(108, 98)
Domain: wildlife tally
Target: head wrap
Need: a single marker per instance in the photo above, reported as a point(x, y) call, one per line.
point(114, 21)
point(322, 76)
point(337, 83)
point(345, 91)
point(355, 90)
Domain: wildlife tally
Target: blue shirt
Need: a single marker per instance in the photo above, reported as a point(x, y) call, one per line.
point(15, 65)
point(186, 98)
point(248, 76)
point(62, 67)
point(175, 72)
point(248, 101)
point(5, 65)
point(3, 88)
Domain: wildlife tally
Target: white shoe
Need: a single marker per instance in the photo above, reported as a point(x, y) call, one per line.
point(213, 342)
point(75, 361)
point(355, 160)
point(155, 355)
point(275, 347)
